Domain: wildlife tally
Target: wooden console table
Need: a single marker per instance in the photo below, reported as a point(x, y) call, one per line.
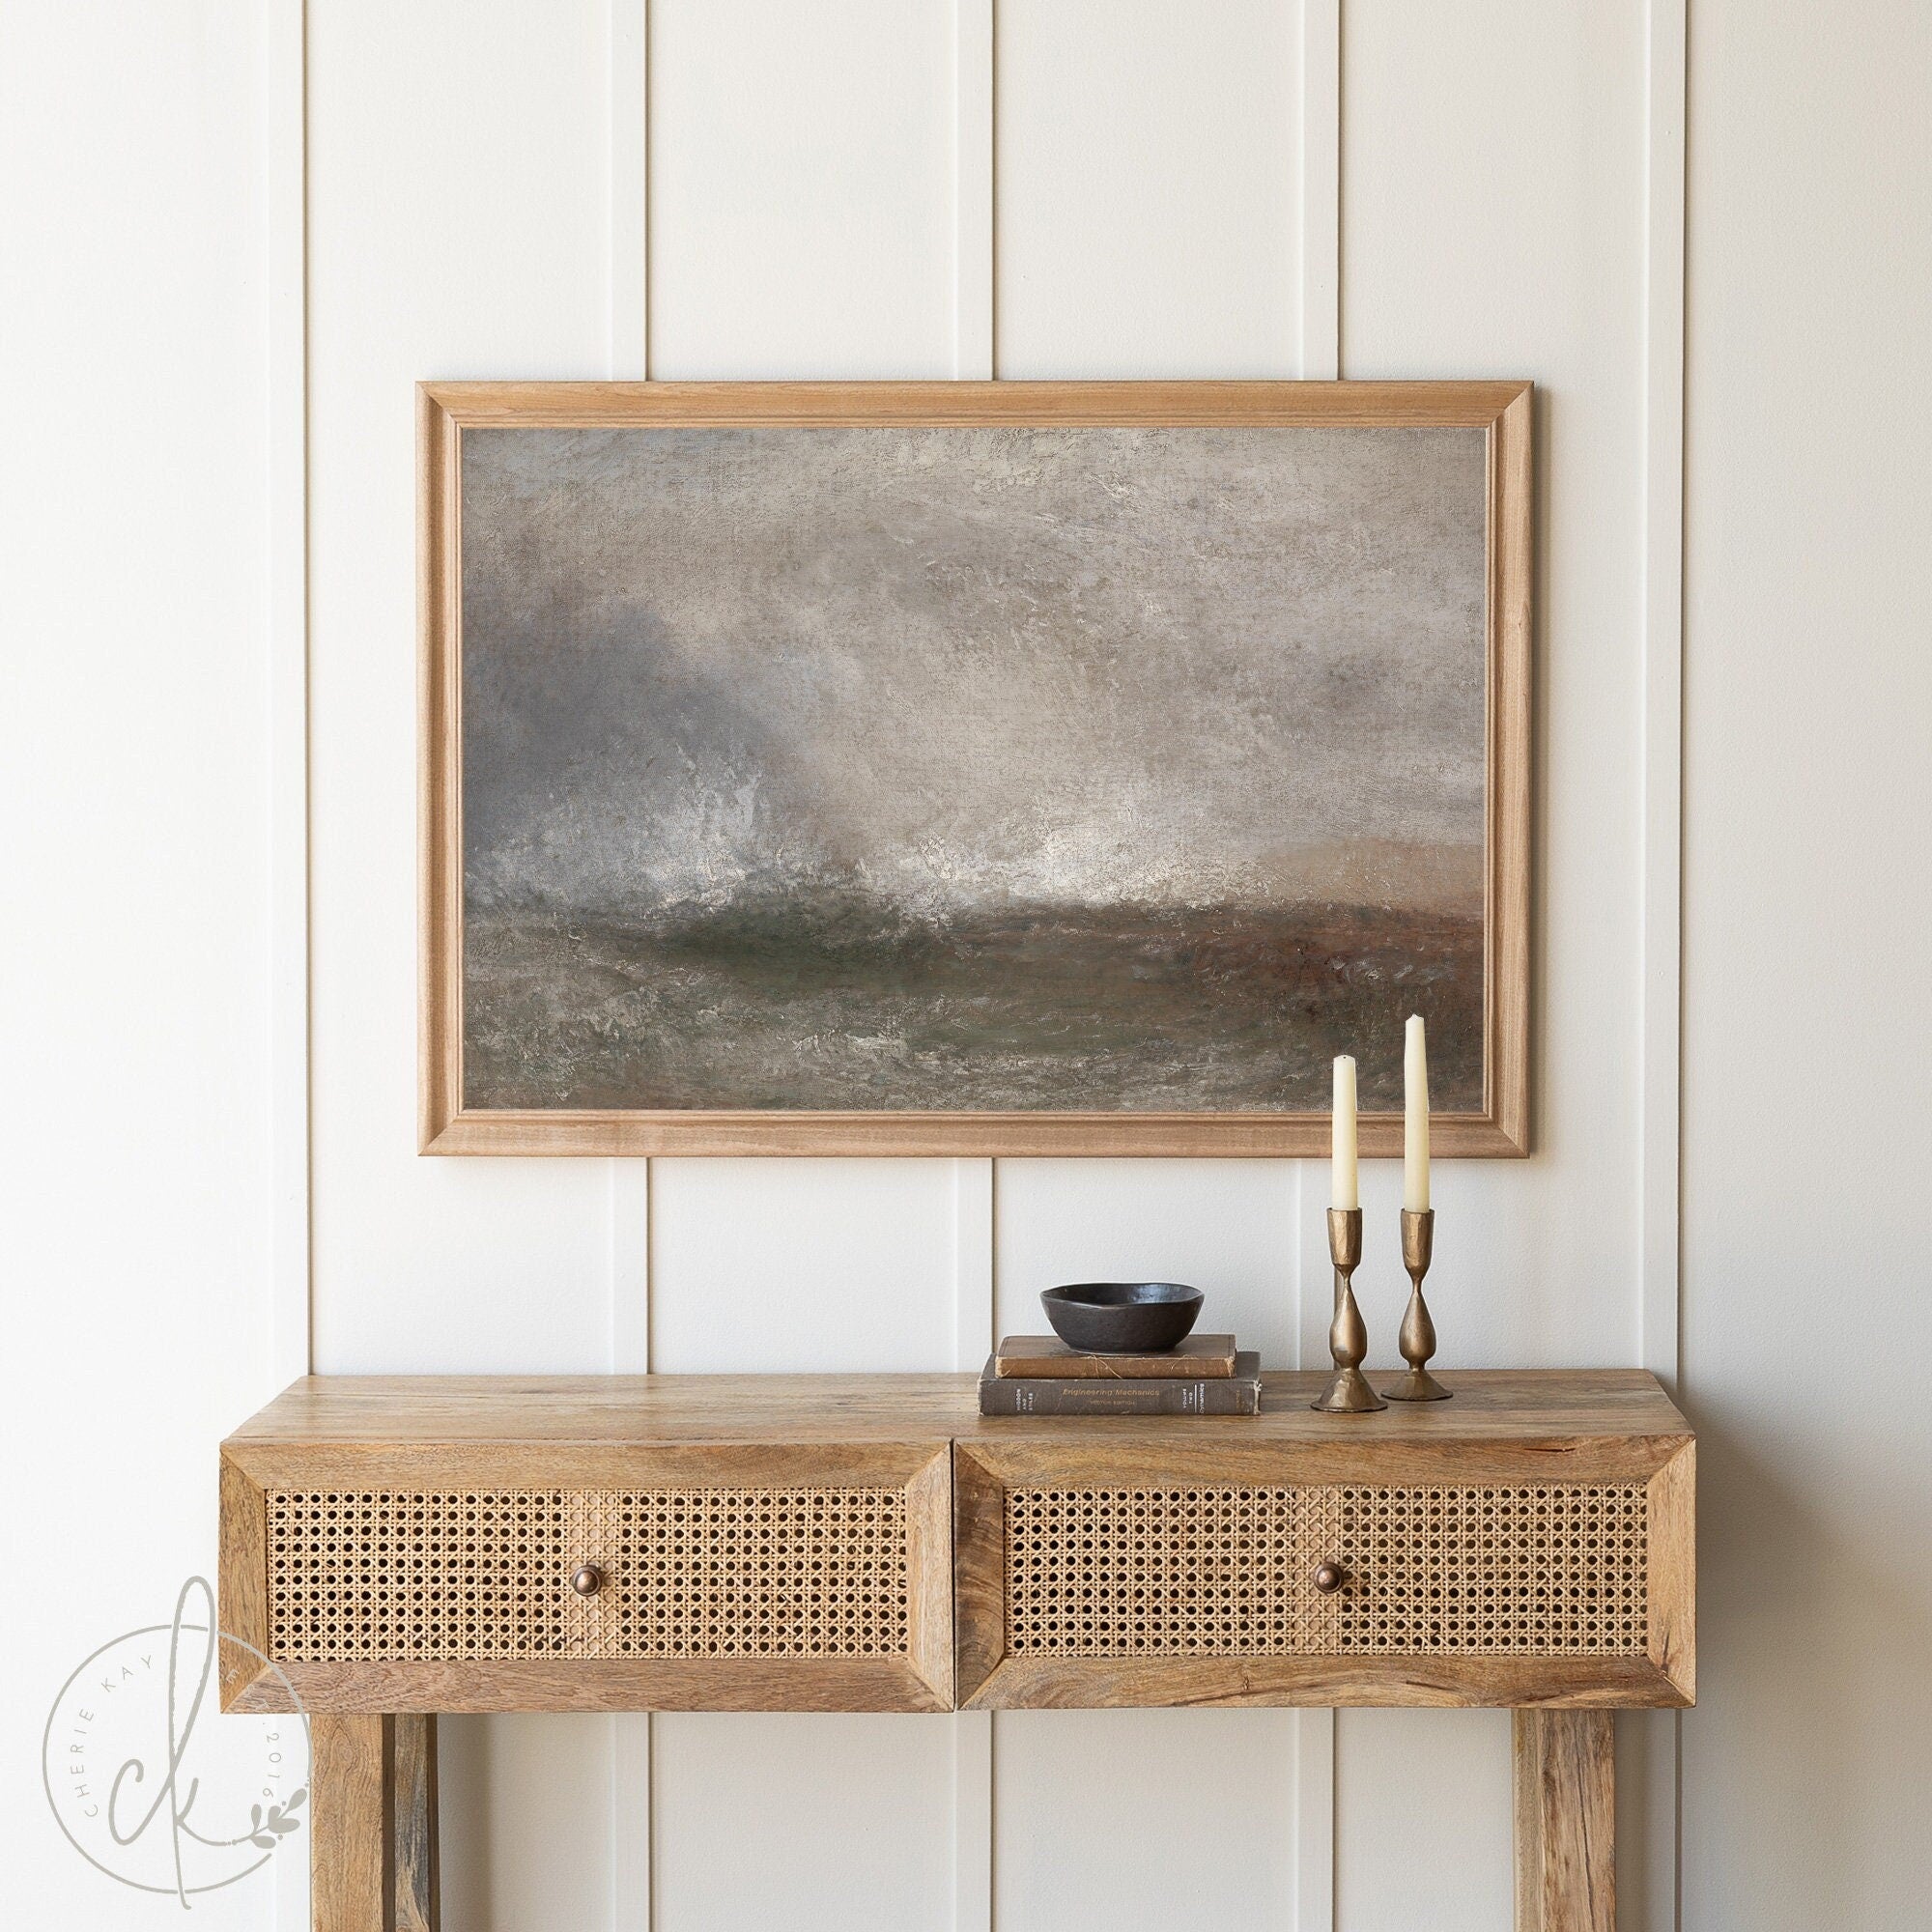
point(404, 1546)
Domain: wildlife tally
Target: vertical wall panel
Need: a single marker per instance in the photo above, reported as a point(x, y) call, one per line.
point(1436, 1851)
point(1809, 687)
point(458, 227)
point(801, 188)
point(801, 1265)
point(135, 1231)
point(822, 1823)
point(525, 1829)
point(1145, 1821)
point(1145, 176)
point(1147, 180)
point(801, 213)
point(1493, 224)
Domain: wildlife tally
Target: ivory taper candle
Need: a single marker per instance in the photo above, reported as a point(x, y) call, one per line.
point(1415, 1116)
point(1343, 1189)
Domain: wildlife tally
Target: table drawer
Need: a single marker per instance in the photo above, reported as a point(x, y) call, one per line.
point(693, 1594)
point(1080, 1589)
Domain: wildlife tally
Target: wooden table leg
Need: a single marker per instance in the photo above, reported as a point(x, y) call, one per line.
point(412, 1807)
point(1565, 1821)
point(372, 1859)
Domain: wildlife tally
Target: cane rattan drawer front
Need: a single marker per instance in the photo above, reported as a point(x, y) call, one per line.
point(1224, 1569)
point(448, 1576)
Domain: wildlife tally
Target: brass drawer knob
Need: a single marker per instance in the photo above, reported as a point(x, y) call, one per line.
point(587, 1580)
point(1327, 1577)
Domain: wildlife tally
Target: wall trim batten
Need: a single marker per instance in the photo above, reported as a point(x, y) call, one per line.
point(1663, 685)
point(285, 83)
point(632, 1827)
point(1661, 923)
point(284, 106)
point(973, 1181)
point(1320, 327)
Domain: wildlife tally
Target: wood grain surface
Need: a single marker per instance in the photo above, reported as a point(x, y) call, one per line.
point(242, 1582)
point(930, 1636)
point(1565, 1821)
point(1673, 1571)
point(922, 1434)
point(978, 1572)
point(412, 1811)
point(431, 1431)
point(1488, 1683)
point(883, 1136)
point(1517, 1407)
point(352, 1857)
point(603, 1683)
point(1337, 405)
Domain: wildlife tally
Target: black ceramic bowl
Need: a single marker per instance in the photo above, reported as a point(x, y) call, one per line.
point(1122, 1317)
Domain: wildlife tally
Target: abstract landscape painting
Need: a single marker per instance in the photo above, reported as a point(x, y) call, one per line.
point(1007, 768)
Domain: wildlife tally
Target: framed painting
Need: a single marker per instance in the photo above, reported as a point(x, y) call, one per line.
point(1017, 768)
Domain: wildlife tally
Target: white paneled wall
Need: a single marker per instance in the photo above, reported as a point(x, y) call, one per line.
point(1143, 1821)
point(819, 1820)
point(801, 1265)
point(231, 238)
point(1146, 188)
point(245, 236)
point(815, 202)
point(801, 188)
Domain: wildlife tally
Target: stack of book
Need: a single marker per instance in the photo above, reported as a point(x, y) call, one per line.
point(1040, 1374)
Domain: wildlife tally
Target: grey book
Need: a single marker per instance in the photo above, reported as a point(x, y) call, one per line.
point(1238, 1394)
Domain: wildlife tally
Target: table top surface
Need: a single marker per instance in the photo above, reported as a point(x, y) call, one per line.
point(1501, 1406)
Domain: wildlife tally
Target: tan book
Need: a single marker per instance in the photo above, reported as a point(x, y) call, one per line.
point(1027, 1356)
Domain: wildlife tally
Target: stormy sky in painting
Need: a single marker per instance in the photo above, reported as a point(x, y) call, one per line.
point(865, 749)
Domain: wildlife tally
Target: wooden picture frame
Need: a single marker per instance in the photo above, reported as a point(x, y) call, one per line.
point(447, 411)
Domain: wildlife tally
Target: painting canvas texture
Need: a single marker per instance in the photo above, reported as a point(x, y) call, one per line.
point(998, 768)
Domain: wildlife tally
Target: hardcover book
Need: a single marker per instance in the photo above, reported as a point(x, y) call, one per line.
point(1191, 1358)
point(1238, 1394)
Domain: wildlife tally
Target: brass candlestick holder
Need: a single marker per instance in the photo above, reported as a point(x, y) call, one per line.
point(1418, 1331)
point(1350, 1393)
